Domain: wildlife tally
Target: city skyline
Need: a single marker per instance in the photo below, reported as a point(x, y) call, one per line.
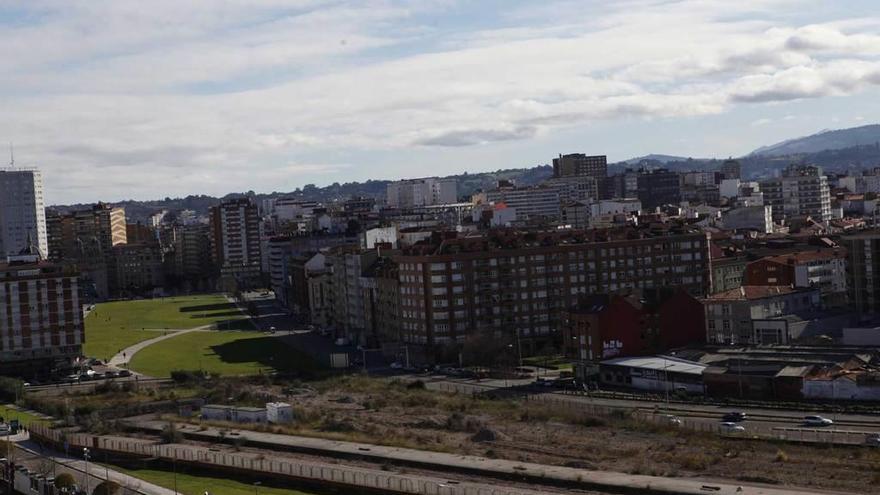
point(126, 100)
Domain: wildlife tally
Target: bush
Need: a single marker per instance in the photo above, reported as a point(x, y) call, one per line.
point(170, 434)
point(416, 385)
point(107, 488)
point(188, 376)
point(64, 481)
point(10, 389)
point(781, 456)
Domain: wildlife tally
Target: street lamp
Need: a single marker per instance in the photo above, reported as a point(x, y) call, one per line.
point(257, 487)
point(86, 457)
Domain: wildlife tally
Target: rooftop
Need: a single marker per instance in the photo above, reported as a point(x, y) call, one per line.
point(659, 363)
point(752, 292)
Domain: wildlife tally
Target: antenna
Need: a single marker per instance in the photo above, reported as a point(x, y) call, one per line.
point(11, 155)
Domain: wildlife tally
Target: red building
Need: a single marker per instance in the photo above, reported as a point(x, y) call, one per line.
point(639, 323)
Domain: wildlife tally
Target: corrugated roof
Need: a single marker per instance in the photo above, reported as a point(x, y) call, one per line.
point(658, 363)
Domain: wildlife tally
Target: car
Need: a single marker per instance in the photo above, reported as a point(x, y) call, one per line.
point(734, 417)
point(671, 420)
point(124, 373)
point(272, 330)
point(111, 374)
point(817, 421)
point(731, 428)
point(872, 439)
point(396, 366)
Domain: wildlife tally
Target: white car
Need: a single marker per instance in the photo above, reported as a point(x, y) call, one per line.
point(817, 421)
point(672, 420)
point(731, 428)
point(396, 366)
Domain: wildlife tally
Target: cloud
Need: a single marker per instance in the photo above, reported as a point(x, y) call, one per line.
point(469, 137)
point(155, 98)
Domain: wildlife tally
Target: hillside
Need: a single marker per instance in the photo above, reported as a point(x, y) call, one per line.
point(467, 185)
point(825, 140)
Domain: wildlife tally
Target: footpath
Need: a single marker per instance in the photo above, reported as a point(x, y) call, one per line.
point(539, 474)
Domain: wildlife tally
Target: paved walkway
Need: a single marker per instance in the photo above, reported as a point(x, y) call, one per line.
point(122, 357)
point(594, 480)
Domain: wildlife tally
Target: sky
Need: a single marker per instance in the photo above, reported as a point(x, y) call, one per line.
point(120, 99)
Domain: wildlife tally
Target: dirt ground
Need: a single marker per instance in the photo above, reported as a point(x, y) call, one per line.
point(382, 412)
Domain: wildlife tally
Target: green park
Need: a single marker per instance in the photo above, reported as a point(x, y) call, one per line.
point(224, 344)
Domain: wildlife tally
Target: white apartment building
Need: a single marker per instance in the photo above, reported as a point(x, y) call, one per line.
point(421, 192)
point(22, 211)
point(529, 202)
point(801, 191)
point(581, 188)
point(733, 317)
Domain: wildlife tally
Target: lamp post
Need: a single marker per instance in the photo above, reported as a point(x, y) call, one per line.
point(257, 487)
point(86, 457)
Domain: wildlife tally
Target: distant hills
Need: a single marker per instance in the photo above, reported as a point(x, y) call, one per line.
point(834, 150)
point(867, 135)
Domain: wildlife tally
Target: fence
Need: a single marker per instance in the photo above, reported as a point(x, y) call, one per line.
point(307, 471)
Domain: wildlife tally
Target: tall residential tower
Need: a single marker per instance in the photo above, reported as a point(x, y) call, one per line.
point(22, 211)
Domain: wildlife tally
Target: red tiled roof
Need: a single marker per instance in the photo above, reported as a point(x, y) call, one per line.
point(807, 256)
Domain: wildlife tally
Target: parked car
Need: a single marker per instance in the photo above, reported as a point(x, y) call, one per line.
point(124, 373)
point(817, 421)
point(111, 374)
point(730, 428)
point(872, 439)
point(396, 366)
point(734, 417)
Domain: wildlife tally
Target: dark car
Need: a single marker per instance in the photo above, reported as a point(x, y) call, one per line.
point(734, 417)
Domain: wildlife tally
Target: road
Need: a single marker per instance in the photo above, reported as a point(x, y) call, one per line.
point(847, 428)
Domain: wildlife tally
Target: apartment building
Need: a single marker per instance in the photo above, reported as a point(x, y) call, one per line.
point(801, 191)
point(348, 314)
point(756, 314)
point(579, 164)
point(506, 283)
point(139, 268)
point(102, 226)
point(824, 269)
point(41, 327)
point(863, 271)
point(582, 188)
point(192, 256)
point(236, 240)
point(421, 192)
point(22, 211)
point(731, 169)
point(530, 203)
point(658, 187)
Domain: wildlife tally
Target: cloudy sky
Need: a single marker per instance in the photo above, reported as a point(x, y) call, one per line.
point(119, 99)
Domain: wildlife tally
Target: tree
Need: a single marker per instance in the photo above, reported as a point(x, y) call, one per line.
point(64, 481)
point(108, 487)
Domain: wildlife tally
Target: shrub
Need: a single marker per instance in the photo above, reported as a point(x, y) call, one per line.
point(416, 385)
point(188, 376)
point(781, 456)
point(107, 488)
point(10, 389)
point(64, 481)
point(170, 434)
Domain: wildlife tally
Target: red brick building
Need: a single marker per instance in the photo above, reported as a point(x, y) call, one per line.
point(636, 324)
point(824, 269)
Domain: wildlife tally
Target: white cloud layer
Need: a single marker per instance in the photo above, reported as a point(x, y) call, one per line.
point(121, 98)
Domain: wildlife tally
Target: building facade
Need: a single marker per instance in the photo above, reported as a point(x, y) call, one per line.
point(41, 327)
point(659, 187)
point(731, 316)
point(236, 240)
point(22, 211)
point(516, 284)
point(824, 269)
point(421, 192)
point(863, 271)
point(801, 191)
point(579, 164)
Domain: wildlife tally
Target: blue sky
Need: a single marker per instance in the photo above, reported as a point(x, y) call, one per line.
point(120, 99)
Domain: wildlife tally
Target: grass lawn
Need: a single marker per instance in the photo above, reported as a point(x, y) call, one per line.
point(22, 417)
point(220, 352)
point(557, 362)
point(114, 326)
point(198, 484)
